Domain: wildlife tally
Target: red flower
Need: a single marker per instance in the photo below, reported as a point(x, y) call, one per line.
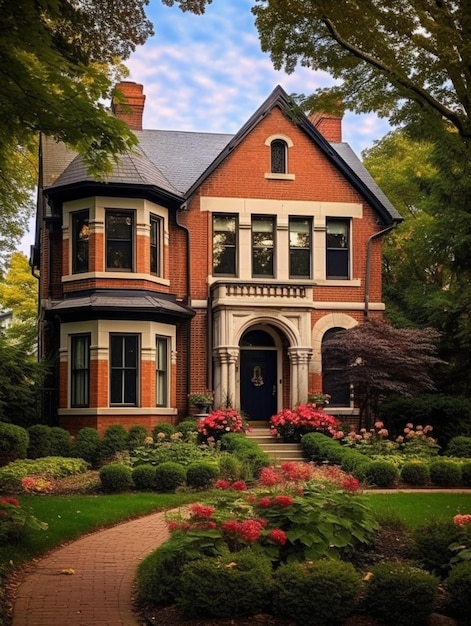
point(251, 530)
point(221, 483)
point(239, 485)
point(9, 500)
point(278, 536)
point(283, 501)
point(351, 484)
point(264, 503)
point(231, 527)
point(269, 477)
point(201, 511)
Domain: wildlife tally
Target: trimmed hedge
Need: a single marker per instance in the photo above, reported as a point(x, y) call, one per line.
point(252, 457)
point(458, 586)
point(169, 476)
point(201, 475)
point(444, 473)
point(143, 477)
point(459, 446)
point(382, 474)
point(115, 478)
point(14, 442)
point(415, 473)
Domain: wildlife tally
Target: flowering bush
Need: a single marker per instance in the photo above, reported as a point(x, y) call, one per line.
point(201, 397)
point(318, 398)
point(292, 424)
point(14, 519)
point(220, 422)
point(418, 442)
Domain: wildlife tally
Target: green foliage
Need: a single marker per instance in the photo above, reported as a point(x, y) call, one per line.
point(115, 478)
point(143, 477)
point(466, 473)
point(39, 441)
point(163, 428)
point(201, 475)
point(382, 474)
point(459, 446)
point(415, 473)
point(247, 451)
point(431, 546)
point(400, 594)
point(169, 476)
point(13, 443)
point(458, 586)
point(204, 585)
point(114, 440)
point(87, 445)
point(61, 442)
point(188, 428)
point(177, 451)
point(317, 593)
point(14, 520)
point(444, 473)
point(19, 290)
point(136, 437)
point(54, 467)
point(230, 467)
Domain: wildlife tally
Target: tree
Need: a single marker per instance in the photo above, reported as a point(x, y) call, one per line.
point(19, 289)
point(377, 360)
point(58, 61)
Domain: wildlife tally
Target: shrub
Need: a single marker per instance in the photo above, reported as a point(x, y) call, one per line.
point(201, 475)
point(311, 445)
point(177, 451)
point(316, 593)
point(292, 424)
point(169, 476)
point(114, 440)
point(445, 473)
point(52, 467)
point(115, 478)
point(400, 594)
point(13, 443)
point(458, 585)
point(136, 436)
point(431, 545)
point(233, 585)
point(61, 442)
point(39, 441)
point(230, 467)
point(466, 473)
point(252, 457)
point(188, 428)
point(87, 445)
point(143, 477)
point(164, 428)
point(415, 473)
point(459, 446)
point(382, 474)
point(220, 422)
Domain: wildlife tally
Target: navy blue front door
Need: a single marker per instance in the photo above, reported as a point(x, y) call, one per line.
point(258, 378)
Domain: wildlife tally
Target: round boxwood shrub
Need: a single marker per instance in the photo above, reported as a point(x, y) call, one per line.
point(415, 473)
point(230, 586)
point(431, 545)
point(115, 477)
point(167, 429)
point(61, 442)
point(466, 473)
point(444, 473)
point(201, 475)
point(143, 477)
point(13, 443)
point(400, 594)
point(311, 444)
point(230, 467)
point(39, 441)
point(169, 476)
point(87, 445)
point(188, 428)
point(249, 453)
point(114, 440)
point(459, 446)
point(136, 437)
point(458, 585)
point(382, 474)
point(318, 593)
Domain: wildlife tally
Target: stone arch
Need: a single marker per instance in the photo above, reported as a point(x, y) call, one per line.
point(332, 320)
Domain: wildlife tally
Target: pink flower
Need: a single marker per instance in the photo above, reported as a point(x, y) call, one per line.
point(379, 425)
point(201, 511)
point(269, 477)
point(462, 520)
point(278, 536)
point(351, 484)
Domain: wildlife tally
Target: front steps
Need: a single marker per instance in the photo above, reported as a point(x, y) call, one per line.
point(277, 450)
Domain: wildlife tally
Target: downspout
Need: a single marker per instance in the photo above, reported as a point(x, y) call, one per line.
point(188, 300)
point(368, 264)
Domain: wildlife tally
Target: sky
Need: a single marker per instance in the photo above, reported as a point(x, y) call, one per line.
point(207, 73)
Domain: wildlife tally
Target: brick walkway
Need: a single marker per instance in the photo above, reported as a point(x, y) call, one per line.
point(99, 592)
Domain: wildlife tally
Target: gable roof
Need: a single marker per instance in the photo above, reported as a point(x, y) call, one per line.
point(177, 162)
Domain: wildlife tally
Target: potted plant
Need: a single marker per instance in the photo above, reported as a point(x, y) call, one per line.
point(202, 400)
point(318, 398)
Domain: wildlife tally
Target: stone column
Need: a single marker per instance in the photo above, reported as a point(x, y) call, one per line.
point(299, 362)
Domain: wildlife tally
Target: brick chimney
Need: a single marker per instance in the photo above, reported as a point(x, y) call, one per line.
point(329, 125)
point(132, 111)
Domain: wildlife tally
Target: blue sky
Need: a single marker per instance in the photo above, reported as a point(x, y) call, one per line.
point(207, 73)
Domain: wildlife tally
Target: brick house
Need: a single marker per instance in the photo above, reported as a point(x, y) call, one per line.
point(204, 261)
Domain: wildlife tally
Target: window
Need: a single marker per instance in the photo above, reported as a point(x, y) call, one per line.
point(119, 240)
point(155, 245)
point(80, 371)
point(161, 371)
point(338, 255)
point(80, 237)
point(333, 380)
point(124, 369)
point(300, 230)
point(263, 245)
point(224, 244)
point(279, 151)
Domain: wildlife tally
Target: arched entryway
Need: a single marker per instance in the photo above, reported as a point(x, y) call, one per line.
point(260, 359)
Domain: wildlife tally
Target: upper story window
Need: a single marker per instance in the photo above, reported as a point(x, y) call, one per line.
point(300, 247)
point(263, 245)
point(155, 245)
point(119, 232)
point(279, 156)
point(224, 244)
point(80, 239)
point(124, 371)
point(80, 371)
point(338, 249)
point(161, 371)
